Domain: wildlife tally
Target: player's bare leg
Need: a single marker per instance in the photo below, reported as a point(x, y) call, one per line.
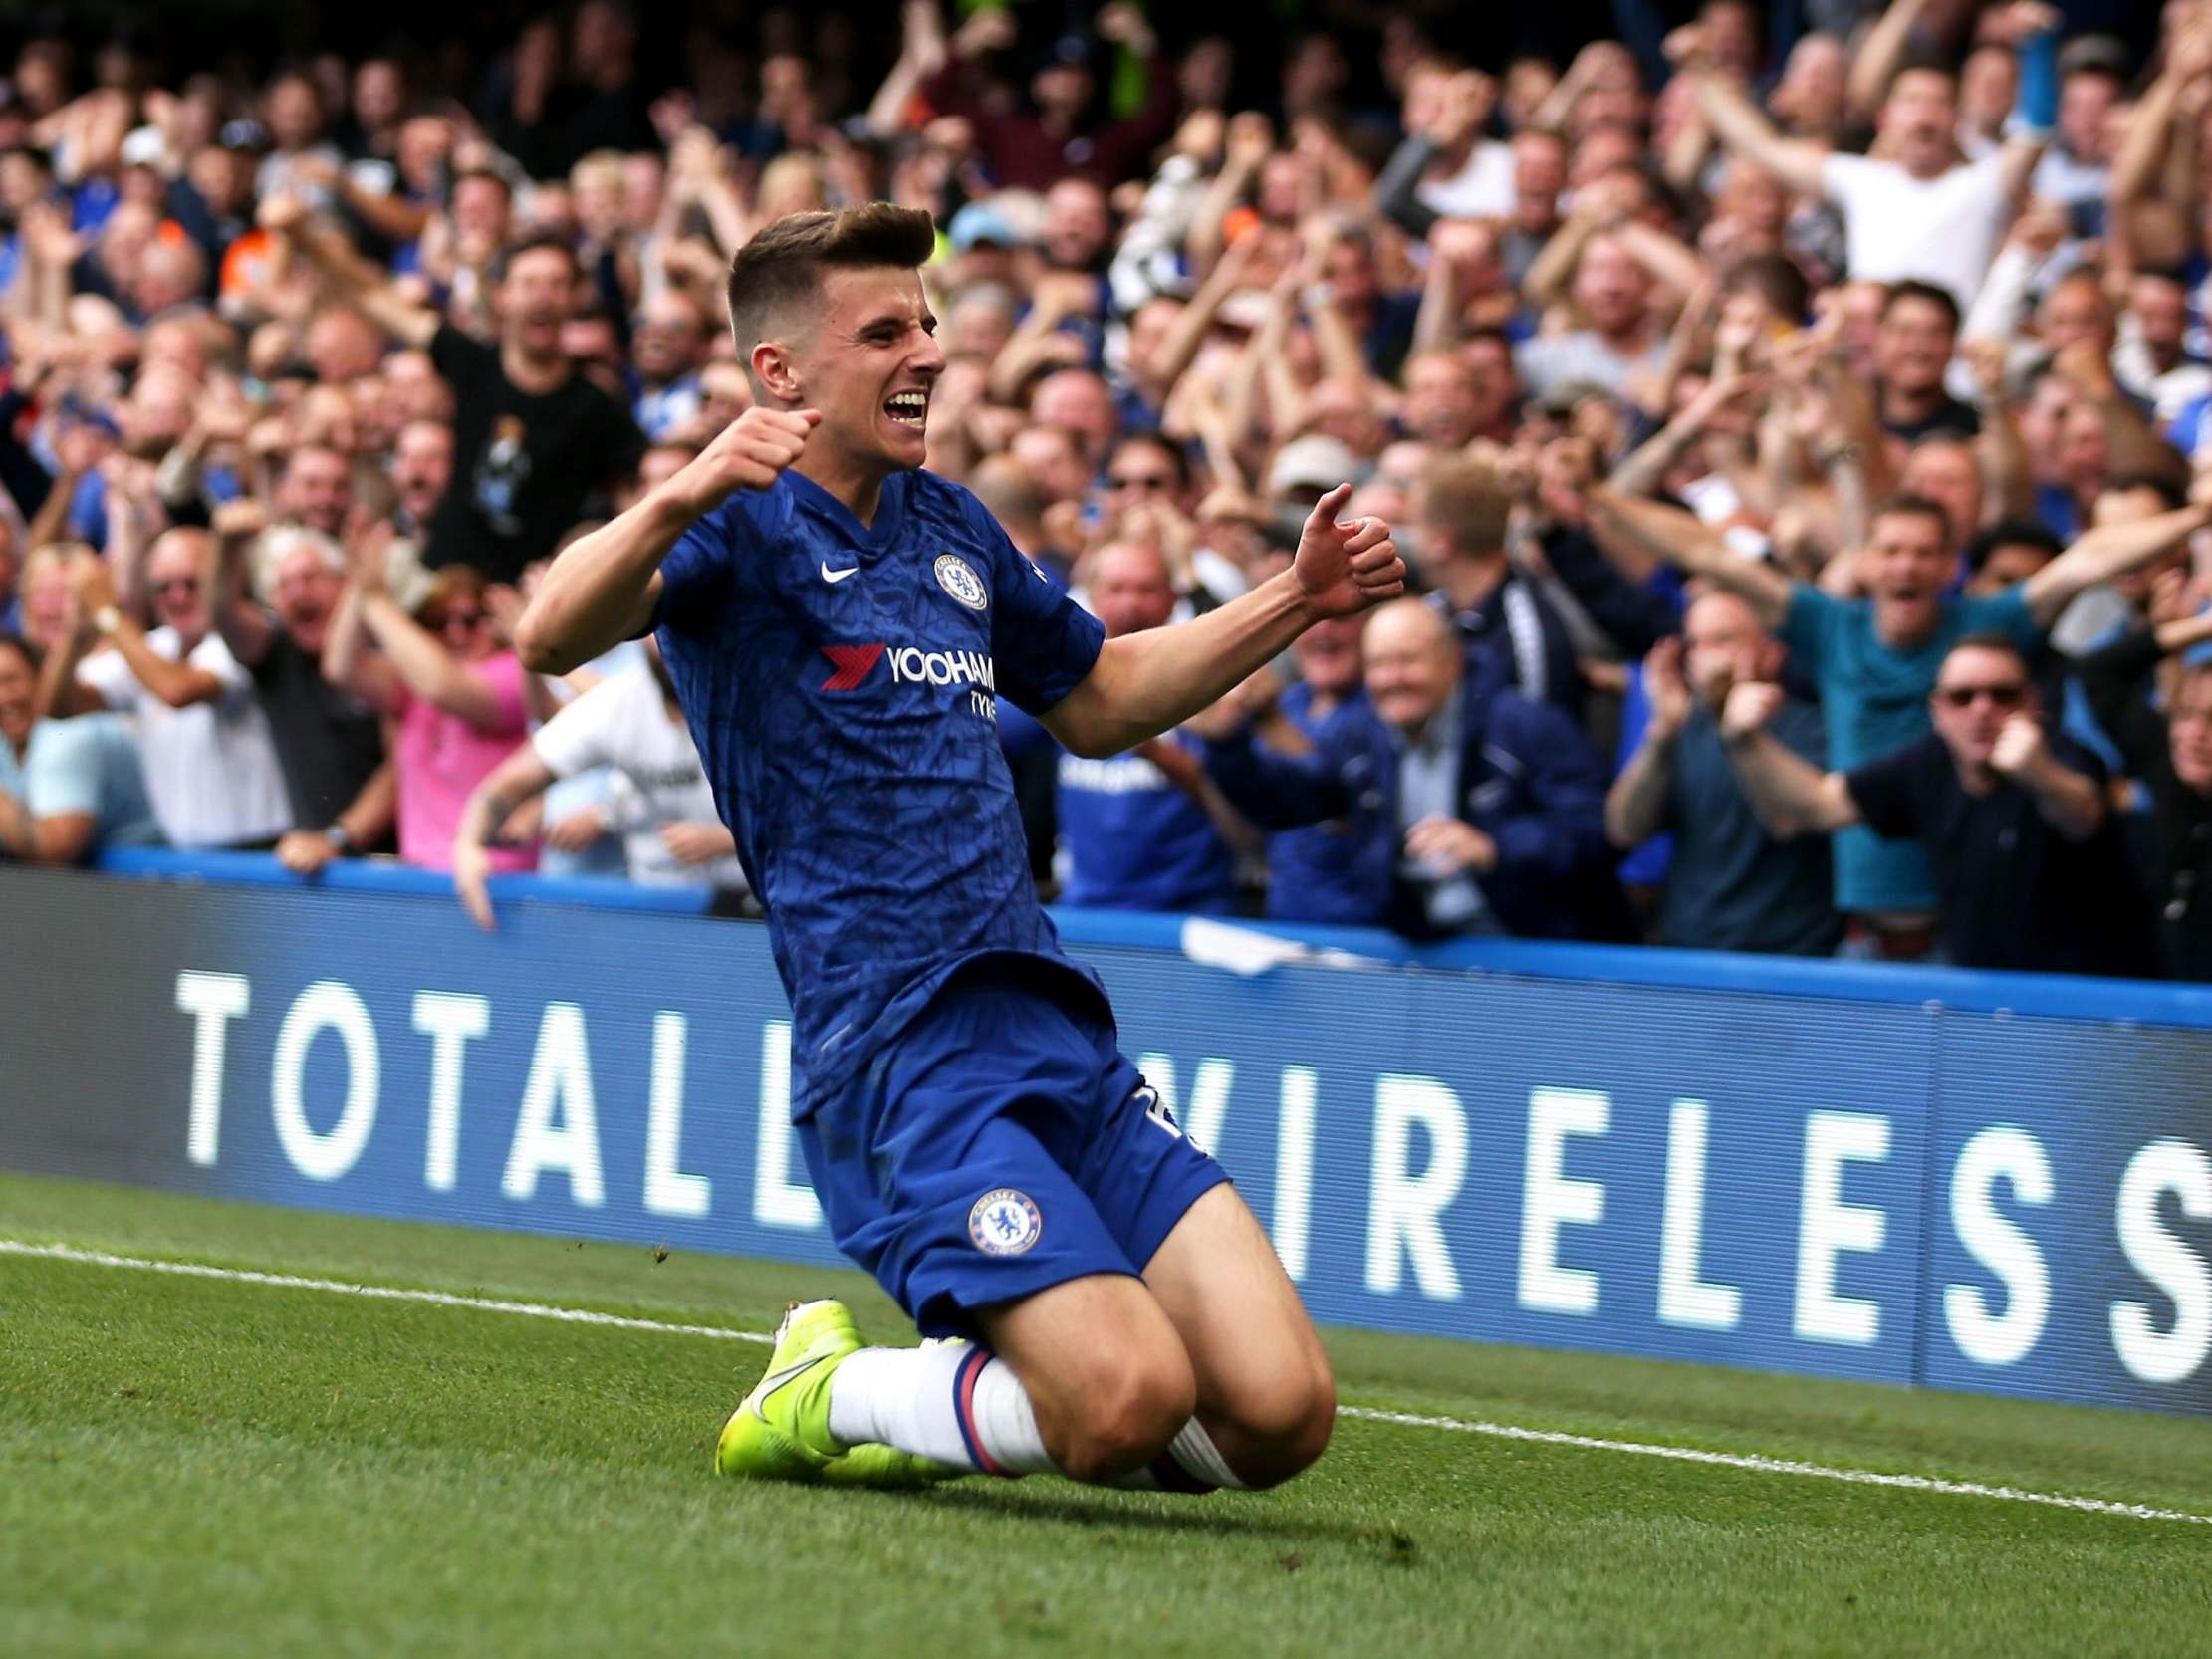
point(1266, 1396)
point(1106, 1374)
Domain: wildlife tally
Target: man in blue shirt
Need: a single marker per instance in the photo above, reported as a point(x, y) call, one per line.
point(836, 621)
point(1874, 660)
point(1146, 830)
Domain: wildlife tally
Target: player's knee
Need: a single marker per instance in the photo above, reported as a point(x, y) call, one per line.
point(1284, 1427)
point(1133, 1406)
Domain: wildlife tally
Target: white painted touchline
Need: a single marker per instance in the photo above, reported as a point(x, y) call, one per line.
point(1367, 1414)
point(381, 1293)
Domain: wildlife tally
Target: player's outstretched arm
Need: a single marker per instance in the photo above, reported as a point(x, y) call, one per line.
point(1146, 683)
point(604, 588)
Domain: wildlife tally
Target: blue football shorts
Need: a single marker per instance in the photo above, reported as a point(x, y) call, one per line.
point(1000, 1145)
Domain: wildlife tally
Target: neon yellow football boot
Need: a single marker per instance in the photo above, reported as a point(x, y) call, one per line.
point(782, 1431)
point(888, 1468)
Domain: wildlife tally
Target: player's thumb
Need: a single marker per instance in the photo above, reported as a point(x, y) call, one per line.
point(1325, 510)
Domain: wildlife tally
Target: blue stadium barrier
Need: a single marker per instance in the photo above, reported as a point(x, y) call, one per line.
point(1975, 1181)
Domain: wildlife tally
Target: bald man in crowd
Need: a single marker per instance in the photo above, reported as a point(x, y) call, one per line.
point(1464, 810)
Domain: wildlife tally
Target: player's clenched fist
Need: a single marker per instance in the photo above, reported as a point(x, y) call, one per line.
point(1346, 566)
point(747, 455)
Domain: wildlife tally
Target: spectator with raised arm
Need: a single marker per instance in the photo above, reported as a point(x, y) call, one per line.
point(1874, 660)
point(2029, 870)
point(661, 804)
point(1730, 884)
point(532, 436)
point(1918, 209)
point(452, 685)
point(1061, 132)
point(329, 745)
point(211, 764)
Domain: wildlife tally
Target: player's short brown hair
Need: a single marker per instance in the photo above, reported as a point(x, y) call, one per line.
point(781, 268)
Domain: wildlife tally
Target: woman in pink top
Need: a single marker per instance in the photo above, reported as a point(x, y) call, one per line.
point(455, 687)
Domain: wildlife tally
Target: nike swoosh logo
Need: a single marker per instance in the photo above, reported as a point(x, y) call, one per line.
point(833, 576)
point(777, 1380)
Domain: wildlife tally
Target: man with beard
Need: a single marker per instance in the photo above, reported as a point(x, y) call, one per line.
point(533, 438)
point(330, 746)
point(1875, 660)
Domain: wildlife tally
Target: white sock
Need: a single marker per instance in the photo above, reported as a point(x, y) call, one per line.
point(956, 1403)
point(950, 1401)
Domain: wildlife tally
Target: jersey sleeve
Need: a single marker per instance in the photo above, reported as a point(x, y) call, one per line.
point(1043, 644)
point(695, 577)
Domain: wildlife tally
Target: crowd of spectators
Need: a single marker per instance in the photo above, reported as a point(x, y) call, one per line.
point(1799, 431)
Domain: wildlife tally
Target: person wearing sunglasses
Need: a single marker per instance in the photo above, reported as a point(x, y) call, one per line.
point(2029, 869)
point(449, 678)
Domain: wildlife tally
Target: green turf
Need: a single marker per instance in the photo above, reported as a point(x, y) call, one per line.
point(197, 1467)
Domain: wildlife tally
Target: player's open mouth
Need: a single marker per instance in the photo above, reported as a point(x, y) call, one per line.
point(909, 409)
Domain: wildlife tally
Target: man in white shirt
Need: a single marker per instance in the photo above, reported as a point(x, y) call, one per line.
point(212, 766)
point(661, 802)
point(1925, 213)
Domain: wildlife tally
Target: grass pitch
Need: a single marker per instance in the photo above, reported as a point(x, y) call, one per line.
point(198, 1466)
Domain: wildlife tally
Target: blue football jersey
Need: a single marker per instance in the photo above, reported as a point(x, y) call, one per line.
point(839, 681)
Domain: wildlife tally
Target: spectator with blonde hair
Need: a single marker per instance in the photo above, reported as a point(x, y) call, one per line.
point(1462, 505)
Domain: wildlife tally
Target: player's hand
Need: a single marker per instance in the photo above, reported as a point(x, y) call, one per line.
point(1449, 845)
point(749, 454)
point(697, 843)
point(472, 868)
point(2020, 748)
point(1344, 567)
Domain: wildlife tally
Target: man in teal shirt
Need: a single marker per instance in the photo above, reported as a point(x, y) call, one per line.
point(1874, 659)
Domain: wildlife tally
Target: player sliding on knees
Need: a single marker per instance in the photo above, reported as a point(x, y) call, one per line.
point(837, 623)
